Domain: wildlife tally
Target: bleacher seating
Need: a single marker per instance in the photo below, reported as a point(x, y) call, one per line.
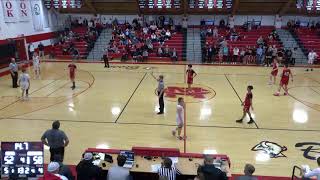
point(176, 41)
point(309, 39)
point(249, 40)
point(80, 45)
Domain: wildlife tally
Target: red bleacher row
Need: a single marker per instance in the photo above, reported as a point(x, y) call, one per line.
point(251, 37)
point(309, 38)
point(176, 41)
point(80, 45)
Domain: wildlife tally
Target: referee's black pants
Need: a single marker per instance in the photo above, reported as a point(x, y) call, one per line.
point(106, 61)
point(161, 103)
point(14, 77)
point(56, 151)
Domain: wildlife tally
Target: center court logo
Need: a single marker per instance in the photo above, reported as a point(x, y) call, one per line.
point(198, 93)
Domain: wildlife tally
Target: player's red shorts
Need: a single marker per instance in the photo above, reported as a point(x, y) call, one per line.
point(284, 81)
point(246, 107)
point(274, 73)
point(71, 75)
point(190, 80)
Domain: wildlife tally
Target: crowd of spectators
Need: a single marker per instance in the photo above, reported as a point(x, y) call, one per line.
point(70, 36)
point(262, 53)
point(137, 40)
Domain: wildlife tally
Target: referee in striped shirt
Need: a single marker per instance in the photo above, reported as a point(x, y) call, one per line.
point(167, 172)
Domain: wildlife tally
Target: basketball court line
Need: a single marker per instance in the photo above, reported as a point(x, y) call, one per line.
point(168, 125)
point(238, 96)
point(131, 97)
point(314, 90)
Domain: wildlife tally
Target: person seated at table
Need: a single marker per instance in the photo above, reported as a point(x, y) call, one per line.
point(86, 169)
point(118, 172)
point(64, 170)
point(167, 171)
point(208, 171)
point(248, 171)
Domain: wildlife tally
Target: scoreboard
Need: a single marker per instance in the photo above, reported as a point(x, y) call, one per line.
point(159, 4)
point(62, 4)
point(22, 159)
point(310, 5)
point(210, 4)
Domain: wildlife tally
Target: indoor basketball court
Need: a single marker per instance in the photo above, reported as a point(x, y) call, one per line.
point(116, 108)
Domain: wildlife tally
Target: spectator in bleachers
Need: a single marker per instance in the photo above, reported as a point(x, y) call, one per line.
point(145, 30)
point(225, 51)
point(41, 49)
point(166, 51)
point(209, 32)
point(268, 58)
point(56, 139)
point(167, 170)
point(215, 32)
point(222, 23)
point(308, 173)
point(274, 51)
point(208, 171)
point(210, 54)
point(288, 56)
point(145, 55)
point(174, 55)
point(31, 50)
point(294, 55)
point(64, 170)
point(260, 41)
point(153, 28)
point(168, 34)
point(242, 55)
point(86, 170)
point(75, 53)
point(233, 35)
point(235, 54)
point(160, 51)
point(118, 172)
point(259, 53)
point(153, 37)
point(248, 171)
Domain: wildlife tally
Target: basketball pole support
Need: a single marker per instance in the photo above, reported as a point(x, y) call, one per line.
point(185, 116)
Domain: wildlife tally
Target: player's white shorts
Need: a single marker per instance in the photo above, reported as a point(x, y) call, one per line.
point(36, 66)
point(310, 61)
point(24, 86)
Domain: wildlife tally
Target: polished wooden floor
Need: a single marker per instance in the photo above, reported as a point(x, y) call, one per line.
point(116, 108)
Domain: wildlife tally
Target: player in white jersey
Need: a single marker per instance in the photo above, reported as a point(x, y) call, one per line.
point(179, 118)
point(36, 65)
point(24, 83)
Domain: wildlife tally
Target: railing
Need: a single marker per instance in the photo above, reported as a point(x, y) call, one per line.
point(295, 169)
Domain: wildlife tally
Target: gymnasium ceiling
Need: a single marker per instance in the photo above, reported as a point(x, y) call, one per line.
point(240, 7)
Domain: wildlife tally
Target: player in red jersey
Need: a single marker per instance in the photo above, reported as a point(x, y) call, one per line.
point(274, 72)
point(285, 76)
point(190, 75)
point(246, 105)
point(72, 73)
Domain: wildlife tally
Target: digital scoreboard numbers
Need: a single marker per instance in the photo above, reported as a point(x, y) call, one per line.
point(159, 4)
point(22, 159)
point(210, 4)
point(62, 4)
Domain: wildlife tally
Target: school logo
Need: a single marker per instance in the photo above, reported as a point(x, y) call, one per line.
point(274, 150)
point(36, 9)
point(125, 67)
point(311, 150)
point(197, 93)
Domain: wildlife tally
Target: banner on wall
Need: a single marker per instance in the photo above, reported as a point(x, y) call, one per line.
point(10, 9)
point(24, 10)
point(37, 15)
